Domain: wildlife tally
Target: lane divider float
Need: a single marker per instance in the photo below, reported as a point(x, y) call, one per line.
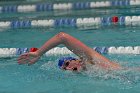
point(10, 52)
point(74, 22)
point(67, 6)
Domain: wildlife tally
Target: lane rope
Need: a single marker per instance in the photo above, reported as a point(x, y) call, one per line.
point(10, 52)
point(67, 6)
point(74, 22)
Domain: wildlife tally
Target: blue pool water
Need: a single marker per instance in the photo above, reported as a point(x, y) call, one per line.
point(46, 77)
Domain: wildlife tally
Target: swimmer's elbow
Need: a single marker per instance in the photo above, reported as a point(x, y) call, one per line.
point(62, 36)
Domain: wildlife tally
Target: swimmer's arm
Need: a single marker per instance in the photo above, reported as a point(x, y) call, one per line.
point(74, 45)
point(78, 48)
point(70, 42)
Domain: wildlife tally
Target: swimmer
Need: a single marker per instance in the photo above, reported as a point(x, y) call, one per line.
point(86, 55)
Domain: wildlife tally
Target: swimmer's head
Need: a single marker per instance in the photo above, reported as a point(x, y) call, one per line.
point(70, 63)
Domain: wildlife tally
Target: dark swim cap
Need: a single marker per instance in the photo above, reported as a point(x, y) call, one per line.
point(63, 59)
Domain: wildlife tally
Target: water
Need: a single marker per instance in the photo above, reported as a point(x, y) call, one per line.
point(46, 77)
point(95, 37)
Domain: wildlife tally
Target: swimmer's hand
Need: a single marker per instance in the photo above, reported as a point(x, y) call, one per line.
point(28, 58)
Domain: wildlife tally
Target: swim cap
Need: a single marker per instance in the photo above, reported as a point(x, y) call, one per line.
point(63, 59)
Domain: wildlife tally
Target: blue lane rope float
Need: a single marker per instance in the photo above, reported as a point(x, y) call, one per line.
point(74, 22)
point(21, 24)
point(121, 3)
point(9, 52)
point(65, 22)
point(81, 5)
point(44, 7)
point(7, 9)
point(67, 6)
